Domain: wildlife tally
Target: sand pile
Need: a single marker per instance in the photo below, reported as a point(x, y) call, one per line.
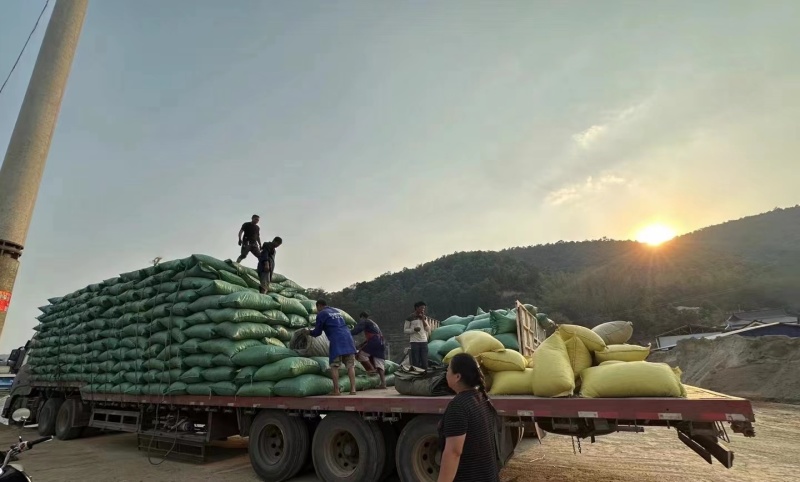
point(763, 368)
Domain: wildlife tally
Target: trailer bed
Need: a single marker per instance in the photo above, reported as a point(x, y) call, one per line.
point(700, 405)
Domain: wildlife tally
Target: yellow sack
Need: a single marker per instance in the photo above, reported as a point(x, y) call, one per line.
point(503, 361)
point(552, 373)
point(477, 342)
point(625, 353)
point(589, 338)
point(529, 360)
point(610, 362)
point(580, 358)
point(451, 354)
point(615, 332)
point(632, 379)
point(512, 383)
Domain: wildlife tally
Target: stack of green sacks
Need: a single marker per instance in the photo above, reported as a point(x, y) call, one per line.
point(193, 326)
point(501, 324)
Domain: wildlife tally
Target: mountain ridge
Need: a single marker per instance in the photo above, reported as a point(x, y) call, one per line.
point(745, 263)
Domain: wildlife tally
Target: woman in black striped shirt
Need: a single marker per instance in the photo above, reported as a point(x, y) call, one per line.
point(467, 428)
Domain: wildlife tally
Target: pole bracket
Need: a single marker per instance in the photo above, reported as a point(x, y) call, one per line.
point(12, 250)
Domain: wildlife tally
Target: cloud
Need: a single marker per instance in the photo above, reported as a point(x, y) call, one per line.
point(578, 191)
point(588, 137)
point(613, 125)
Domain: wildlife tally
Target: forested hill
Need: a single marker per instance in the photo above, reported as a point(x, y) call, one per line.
point(744, 264)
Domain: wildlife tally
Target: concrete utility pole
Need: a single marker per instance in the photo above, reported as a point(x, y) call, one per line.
point(21, 173)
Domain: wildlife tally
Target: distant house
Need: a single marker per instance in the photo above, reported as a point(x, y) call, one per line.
point(695, 309)
point(671, 338)
point(744, 319)
point(779, 328)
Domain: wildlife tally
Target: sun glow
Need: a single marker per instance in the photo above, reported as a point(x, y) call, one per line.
point(655, 234)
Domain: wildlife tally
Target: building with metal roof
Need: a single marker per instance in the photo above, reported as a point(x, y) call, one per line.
point(744, 319)
point(767, 329)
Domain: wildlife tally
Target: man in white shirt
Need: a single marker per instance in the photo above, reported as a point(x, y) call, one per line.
point(418, 329)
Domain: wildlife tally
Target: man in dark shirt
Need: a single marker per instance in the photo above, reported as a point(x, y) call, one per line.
point(372, 353)
point(266, 263)
point(249, 238)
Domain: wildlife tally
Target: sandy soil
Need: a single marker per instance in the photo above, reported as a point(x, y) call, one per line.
point(656, 455)
point(759, 368)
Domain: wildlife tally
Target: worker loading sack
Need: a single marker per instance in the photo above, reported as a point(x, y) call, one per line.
point(306, 345)
point(195, 326)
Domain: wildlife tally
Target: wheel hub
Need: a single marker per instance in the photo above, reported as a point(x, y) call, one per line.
point(344, 452)
point(272, 444)
point(428, 457)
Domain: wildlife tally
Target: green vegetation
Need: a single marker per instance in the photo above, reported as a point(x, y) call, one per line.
point(745, 264)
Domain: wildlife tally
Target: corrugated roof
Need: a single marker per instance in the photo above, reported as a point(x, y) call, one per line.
point(752, 328)
point(757, 315)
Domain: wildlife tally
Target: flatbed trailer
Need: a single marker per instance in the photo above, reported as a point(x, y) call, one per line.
point(366, 437)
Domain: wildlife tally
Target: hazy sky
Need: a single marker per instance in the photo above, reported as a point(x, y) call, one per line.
point(373, 136)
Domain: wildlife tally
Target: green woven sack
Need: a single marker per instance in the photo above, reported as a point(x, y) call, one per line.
point(249, 300)
point(258, 356)
point(257, 389)
point(503, 322)
point(227, 347)
point(286, 368)
point(303, 386)
point(244, 331)
point(236, 315)
point(219, 374)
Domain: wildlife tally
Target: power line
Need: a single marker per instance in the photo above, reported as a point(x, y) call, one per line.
point(23, 47)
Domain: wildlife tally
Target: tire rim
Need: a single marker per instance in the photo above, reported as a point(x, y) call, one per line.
point(426, 458)
point(271, 444)
point(342, 455)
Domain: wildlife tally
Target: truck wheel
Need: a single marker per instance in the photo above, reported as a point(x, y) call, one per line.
point(278, 446)
point(70, 411)
point(389, 434)
point(347, 448)
point(418, 455)
point(47, 416)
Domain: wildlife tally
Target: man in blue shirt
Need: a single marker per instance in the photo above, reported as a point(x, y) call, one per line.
point(266, 263)
point(372, 352)
point(342, 347)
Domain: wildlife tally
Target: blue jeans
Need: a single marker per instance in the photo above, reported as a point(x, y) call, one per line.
point(419, 354)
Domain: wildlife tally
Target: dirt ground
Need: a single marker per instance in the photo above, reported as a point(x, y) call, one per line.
point(758, 368)
point(656, 455)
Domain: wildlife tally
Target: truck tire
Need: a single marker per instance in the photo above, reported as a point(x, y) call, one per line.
point(278, 446)
point(418, 455)
point(69, 413)
point(389, 433)
point(348, 448)
point(47, 416)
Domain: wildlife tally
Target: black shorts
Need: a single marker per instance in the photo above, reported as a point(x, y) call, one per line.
point(250, 247)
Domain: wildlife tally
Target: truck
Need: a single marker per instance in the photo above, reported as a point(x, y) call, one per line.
point(368, 436)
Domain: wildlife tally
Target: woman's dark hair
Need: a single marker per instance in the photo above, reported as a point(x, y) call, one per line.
point(364, 314)
point(418, 304)
point(465, 365)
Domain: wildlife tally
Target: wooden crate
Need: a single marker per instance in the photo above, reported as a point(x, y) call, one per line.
point(529, 333)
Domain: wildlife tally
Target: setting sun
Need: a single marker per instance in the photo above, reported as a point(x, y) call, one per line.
point(655, 234)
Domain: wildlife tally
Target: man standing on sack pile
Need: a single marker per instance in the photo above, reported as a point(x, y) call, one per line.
point(372, 353)
point(419, 329)
point(249, 238)
point(342, 347)
point(266, 263)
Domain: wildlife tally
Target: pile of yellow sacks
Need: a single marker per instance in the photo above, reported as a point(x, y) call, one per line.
point(598, 359)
